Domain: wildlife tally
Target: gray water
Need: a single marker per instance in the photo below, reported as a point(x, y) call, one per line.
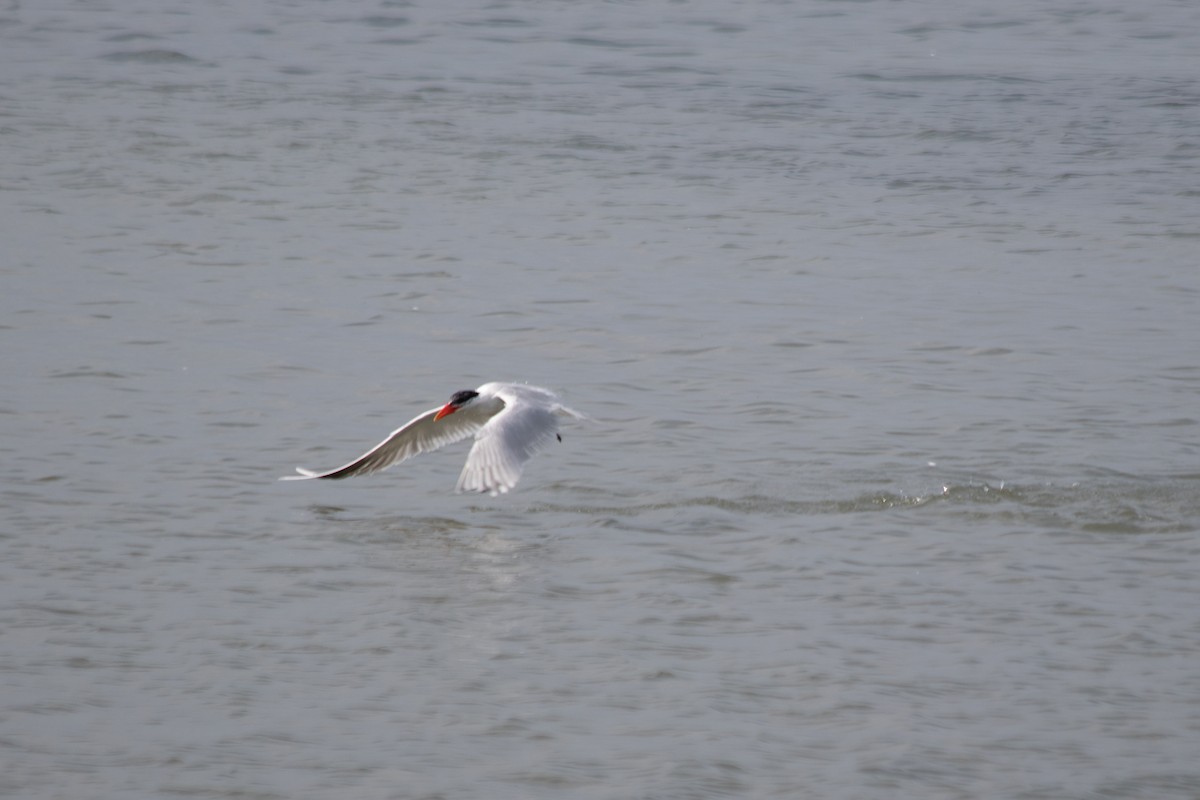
point(888, 315)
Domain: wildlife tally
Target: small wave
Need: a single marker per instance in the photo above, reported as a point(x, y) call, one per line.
point(1126, 507)
point(153, 56)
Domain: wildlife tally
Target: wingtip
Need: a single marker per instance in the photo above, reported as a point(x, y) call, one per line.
point(304, 475)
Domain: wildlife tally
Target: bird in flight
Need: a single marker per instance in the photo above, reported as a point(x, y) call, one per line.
point(510, 422)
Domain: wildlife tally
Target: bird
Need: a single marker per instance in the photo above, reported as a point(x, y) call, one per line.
point(510, 422)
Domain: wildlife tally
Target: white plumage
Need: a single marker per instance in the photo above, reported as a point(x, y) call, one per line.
point(510, 422)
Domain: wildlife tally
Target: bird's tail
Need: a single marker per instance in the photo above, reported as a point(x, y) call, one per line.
point(570, 412)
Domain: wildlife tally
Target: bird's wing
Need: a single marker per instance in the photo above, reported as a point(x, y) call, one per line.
point(503, 445)
point(421, 435)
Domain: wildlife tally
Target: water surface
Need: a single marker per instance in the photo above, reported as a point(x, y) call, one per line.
point(886, 314)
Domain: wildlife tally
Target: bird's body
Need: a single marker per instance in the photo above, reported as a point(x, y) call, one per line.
point(510, 422)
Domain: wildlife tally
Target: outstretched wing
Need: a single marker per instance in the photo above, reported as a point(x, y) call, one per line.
point(503, 445)
point(422, 435)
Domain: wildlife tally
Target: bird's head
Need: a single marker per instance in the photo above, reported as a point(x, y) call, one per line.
point(457, 401)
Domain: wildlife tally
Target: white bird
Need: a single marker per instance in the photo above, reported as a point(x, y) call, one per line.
point(510, 421)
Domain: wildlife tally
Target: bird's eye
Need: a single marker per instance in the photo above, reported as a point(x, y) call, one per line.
point(465, 396)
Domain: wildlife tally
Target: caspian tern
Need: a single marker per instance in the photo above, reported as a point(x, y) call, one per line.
point(510, 421)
